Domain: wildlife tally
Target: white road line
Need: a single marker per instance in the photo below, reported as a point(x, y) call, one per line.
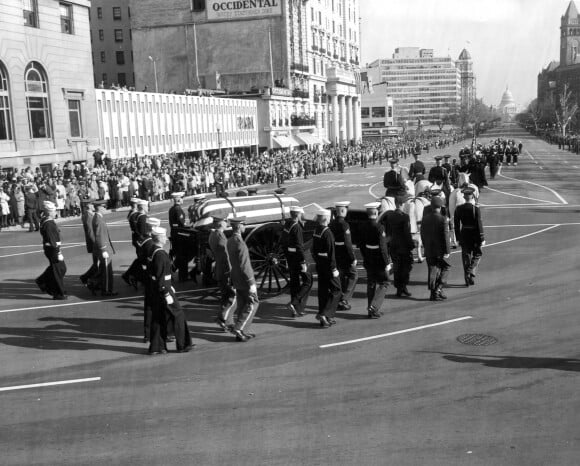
point(49, 384)
point(520, 197)
point(82, 303)
point(522, 237)
point(562, 200)
point(530, 155)
point(548, 206)
point(533, 225)
point(36, 252)
point(371, 189)
point(399, 332)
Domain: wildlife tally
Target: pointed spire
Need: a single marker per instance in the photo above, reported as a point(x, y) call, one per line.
point(572, 11)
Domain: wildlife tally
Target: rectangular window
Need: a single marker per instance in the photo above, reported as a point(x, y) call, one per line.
point(38, 117)
point(117, 12)
point(99, 12)
point(390, 112)
point(74, 117)
point(101, 34)
point(122, 79)
point(120, 58)
point(364, 112)
point(103, 57)
point(66, 18)
point(118, 35)
point(30, 13)
point(197, 5)
point(104, 79)
point(379, 112)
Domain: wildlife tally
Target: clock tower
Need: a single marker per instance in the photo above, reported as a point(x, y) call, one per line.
point(570, 36)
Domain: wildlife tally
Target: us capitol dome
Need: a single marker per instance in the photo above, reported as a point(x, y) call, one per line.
point(508, 105)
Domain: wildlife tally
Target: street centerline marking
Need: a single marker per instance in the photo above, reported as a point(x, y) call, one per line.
point(399, 332)
point(49, 384)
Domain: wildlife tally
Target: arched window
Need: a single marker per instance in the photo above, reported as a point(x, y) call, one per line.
point(5, 119)
point(37, 101)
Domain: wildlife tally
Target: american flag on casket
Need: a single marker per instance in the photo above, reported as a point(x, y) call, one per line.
point(257, 209)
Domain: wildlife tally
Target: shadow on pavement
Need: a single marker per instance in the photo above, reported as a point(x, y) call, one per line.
point(517, 362)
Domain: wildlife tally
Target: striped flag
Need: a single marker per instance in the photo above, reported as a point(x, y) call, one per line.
point(358, 80)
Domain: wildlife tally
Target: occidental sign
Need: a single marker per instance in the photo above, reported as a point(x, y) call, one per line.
point(239, 9)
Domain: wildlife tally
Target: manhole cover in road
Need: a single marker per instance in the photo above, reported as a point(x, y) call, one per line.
point(476, 339)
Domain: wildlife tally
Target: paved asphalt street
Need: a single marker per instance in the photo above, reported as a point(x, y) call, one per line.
point(411, 396)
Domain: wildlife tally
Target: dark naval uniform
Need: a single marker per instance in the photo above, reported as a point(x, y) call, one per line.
point(394, 183)
point(400, 241)
point(176, 221)
point(146, 248)
point(104, 278)
point(87, 221)
point(300, 282)
point(134, 273)
point(52, 279)
point(416, 168)
point(469, 231)
point(345, 258)
point(376, 258)
point(329, 290)
point(218, 244)
point(435, 237)
point(164, 312)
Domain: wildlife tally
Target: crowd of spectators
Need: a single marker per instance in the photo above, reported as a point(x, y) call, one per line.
point(154, 178)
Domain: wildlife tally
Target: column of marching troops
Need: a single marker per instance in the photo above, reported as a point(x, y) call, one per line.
point(386, 247)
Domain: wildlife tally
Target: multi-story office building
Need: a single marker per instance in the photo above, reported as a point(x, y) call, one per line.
point(424, 88)
point(47, 98)
point(468, 87)
point(111, 40)
point(299, 59)
point(377, 112)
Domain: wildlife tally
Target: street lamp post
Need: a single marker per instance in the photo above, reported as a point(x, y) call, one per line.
point(219, 137)
point(155, 72)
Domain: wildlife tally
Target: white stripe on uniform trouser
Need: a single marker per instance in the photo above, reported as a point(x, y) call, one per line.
point(339, 244)
point(323, 254)
point(371, 247)
point(226, 313)
point(254, 307)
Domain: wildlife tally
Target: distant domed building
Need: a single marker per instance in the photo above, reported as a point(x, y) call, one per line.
point(508, 106)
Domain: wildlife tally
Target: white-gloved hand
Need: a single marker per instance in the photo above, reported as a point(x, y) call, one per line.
point(483, 243)
point(253, 289)
point(169, 299)
point(304, 268)
point(446, 256)
point(354, 263)
point(105, 255)
point(60, 257)
point(335, 273)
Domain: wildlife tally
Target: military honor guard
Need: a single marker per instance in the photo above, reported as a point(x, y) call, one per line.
point(400, 242)
point(435, 237)
point(438, 174)
point(393, 180)
point(137, 219)
point(146, 248)
point(177, 221)
point(243, 281)
point(88, 211)
point(323, 252)
point(227, 295)
point(376, 258)
point(300, 278)
point(52, 279)
point(165, 306)
point(103, 244)
point(345, 257)
point(469, 232)
point(416, 169)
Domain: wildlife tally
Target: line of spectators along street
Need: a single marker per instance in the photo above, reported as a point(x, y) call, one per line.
point(154, 177)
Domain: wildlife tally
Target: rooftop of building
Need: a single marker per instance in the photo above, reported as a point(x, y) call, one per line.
point(571, 11)
point(507, 98)
point(464, 55)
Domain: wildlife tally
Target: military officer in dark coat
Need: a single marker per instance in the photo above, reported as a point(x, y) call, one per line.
point(177, 221)
point(87, 221)
point(344, 251)
point(165, 305)
point(435, 237)
point(137, 222)
point(300, 278)
point(393, 180)
point(218, 245)
point(469, 231)
point(438, 174)
point(400, 241)
point(103, 244)
point(416, 169)
point(323, 252)
point(31, 209)
point(377, 262)
point(52, 279)
point(243, 281)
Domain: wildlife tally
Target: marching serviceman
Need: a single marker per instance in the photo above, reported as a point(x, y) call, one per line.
point(176, 221)
point(102, 243)
point(300, 278)
point(393, 180)
point(165, 305)
point(52, 279)
point(416, 169)
point(137, 222)
point(218, 244)
point(243, 281)
point(469, 231)
point(146, 248)
point(400, 241)
point(438, 174)
point(344, 251)
point(376, 260)
point(323, 252)
point(87, 221)
point(435, 237)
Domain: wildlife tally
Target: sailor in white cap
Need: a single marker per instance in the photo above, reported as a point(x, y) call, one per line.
point(52, 279)
point(146, 247)
point(323, 252)
point(376, 260)
point(165, 306)
point(104, 280)
point(345, 257)
point(178, 245)
point(139, 231)
point(300, 279)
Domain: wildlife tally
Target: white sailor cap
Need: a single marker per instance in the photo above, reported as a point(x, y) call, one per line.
point(177, 195)
point(153, 222)
point(158, 231)
point(198, 197)
point(373, 205)
point(342, 203)
point(141, 202)
point(48, 205)
point(323, 213)
point(296, 208)
point(134, 200)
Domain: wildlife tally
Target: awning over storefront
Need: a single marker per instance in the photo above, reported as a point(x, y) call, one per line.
point(308, 139)
point(295, 141)
point(325, 141)
point(282, 142)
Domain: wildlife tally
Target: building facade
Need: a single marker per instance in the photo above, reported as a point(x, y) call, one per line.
point(468, 83)
point(508, 107)
point(377, 113)
point(146, 123)
point(300, 59)
point(424, 88)
point(47, 99)
point(112, 44)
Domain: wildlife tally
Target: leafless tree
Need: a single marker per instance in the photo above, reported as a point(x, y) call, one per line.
point(566, 109)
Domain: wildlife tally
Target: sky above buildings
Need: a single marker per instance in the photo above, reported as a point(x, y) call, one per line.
point(510, 41)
